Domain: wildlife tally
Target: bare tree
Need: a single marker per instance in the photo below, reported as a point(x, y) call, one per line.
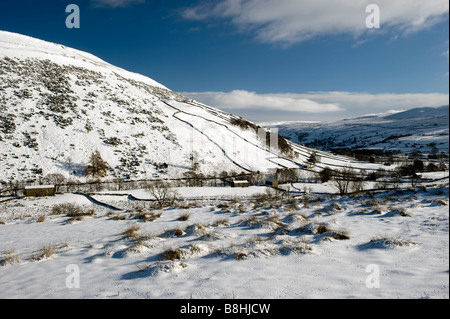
point(415, 180)
point(55, 179)
point(359, 181)
point(193, 179)
point(14, 187)
point(343, 179)
point(162, 192)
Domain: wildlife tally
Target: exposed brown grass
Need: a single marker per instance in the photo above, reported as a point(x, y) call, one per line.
point(173, 254)
point(9, 257)
point(184, 217)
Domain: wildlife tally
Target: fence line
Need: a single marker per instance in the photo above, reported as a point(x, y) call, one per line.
point(254, 179)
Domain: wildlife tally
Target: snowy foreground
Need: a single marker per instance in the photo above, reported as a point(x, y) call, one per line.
point(387, 244)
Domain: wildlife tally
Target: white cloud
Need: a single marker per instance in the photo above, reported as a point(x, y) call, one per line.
point(115, 3)
point(288, 21)
point(314, 105)
point(240, 99)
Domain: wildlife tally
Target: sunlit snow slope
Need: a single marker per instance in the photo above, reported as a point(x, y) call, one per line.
point(59, 105)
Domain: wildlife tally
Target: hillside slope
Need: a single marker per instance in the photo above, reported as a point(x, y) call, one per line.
point(59, 105)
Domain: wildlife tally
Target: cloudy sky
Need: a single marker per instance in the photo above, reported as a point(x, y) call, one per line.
point(266, 60)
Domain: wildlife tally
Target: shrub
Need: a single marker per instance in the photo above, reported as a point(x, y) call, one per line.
point(41, 219)
point(114, 141)
point(46, 251)
point(71, 210)
point(242, 123)
point(219, 222)
point(299, 246)
point(322, 229)
point(240, 256)
point(178, 232)
point(173, 254)
point(387, 242)
point(442, 202)
point(336, 206)
point(9, 257)
point(147, 216)
point(184, 217)
point(116, 216)
point(340, 235)
point(132, 232)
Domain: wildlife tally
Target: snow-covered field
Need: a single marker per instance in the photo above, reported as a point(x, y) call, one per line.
point(386, 244)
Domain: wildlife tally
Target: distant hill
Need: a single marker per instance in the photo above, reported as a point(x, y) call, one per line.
point(422, 112)
point(424, 130)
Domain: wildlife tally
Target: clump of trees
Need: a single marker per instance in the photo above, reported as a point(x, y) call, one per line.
point(243, 124)
point(287, 175)
point(345, 180)
point(412, 169)
point(326, 174)
point(283, 145)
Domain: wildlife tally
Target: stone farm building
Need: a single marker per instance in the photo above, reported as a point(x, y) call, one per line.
point(40, 190)
point(240, 184)
point(272, 182)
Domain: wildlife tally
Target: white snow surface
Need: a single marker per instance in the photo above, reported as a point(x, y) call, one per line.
point(224, 255)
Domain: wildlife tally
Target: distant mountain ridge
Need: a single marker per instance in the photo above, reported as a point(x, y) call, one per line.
point(423, 130)
point(422, 112)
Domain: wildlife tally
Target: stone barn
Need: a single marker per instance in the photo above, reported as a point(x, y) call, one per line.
point(40, 191)
point(240, 184)
point(272, 182)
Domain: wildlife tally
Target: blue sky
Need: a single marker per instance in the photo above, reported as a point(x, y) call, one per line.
point(266, 60)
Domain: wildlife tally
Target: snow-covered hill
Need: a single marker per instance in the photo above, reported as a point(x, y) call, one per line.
point(58, 105)
point(420, 129)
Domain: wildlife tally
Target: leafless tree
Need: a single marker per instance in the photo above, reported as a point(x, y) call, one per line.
point(162, 192)
point(55, 179)
point(343, 180)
